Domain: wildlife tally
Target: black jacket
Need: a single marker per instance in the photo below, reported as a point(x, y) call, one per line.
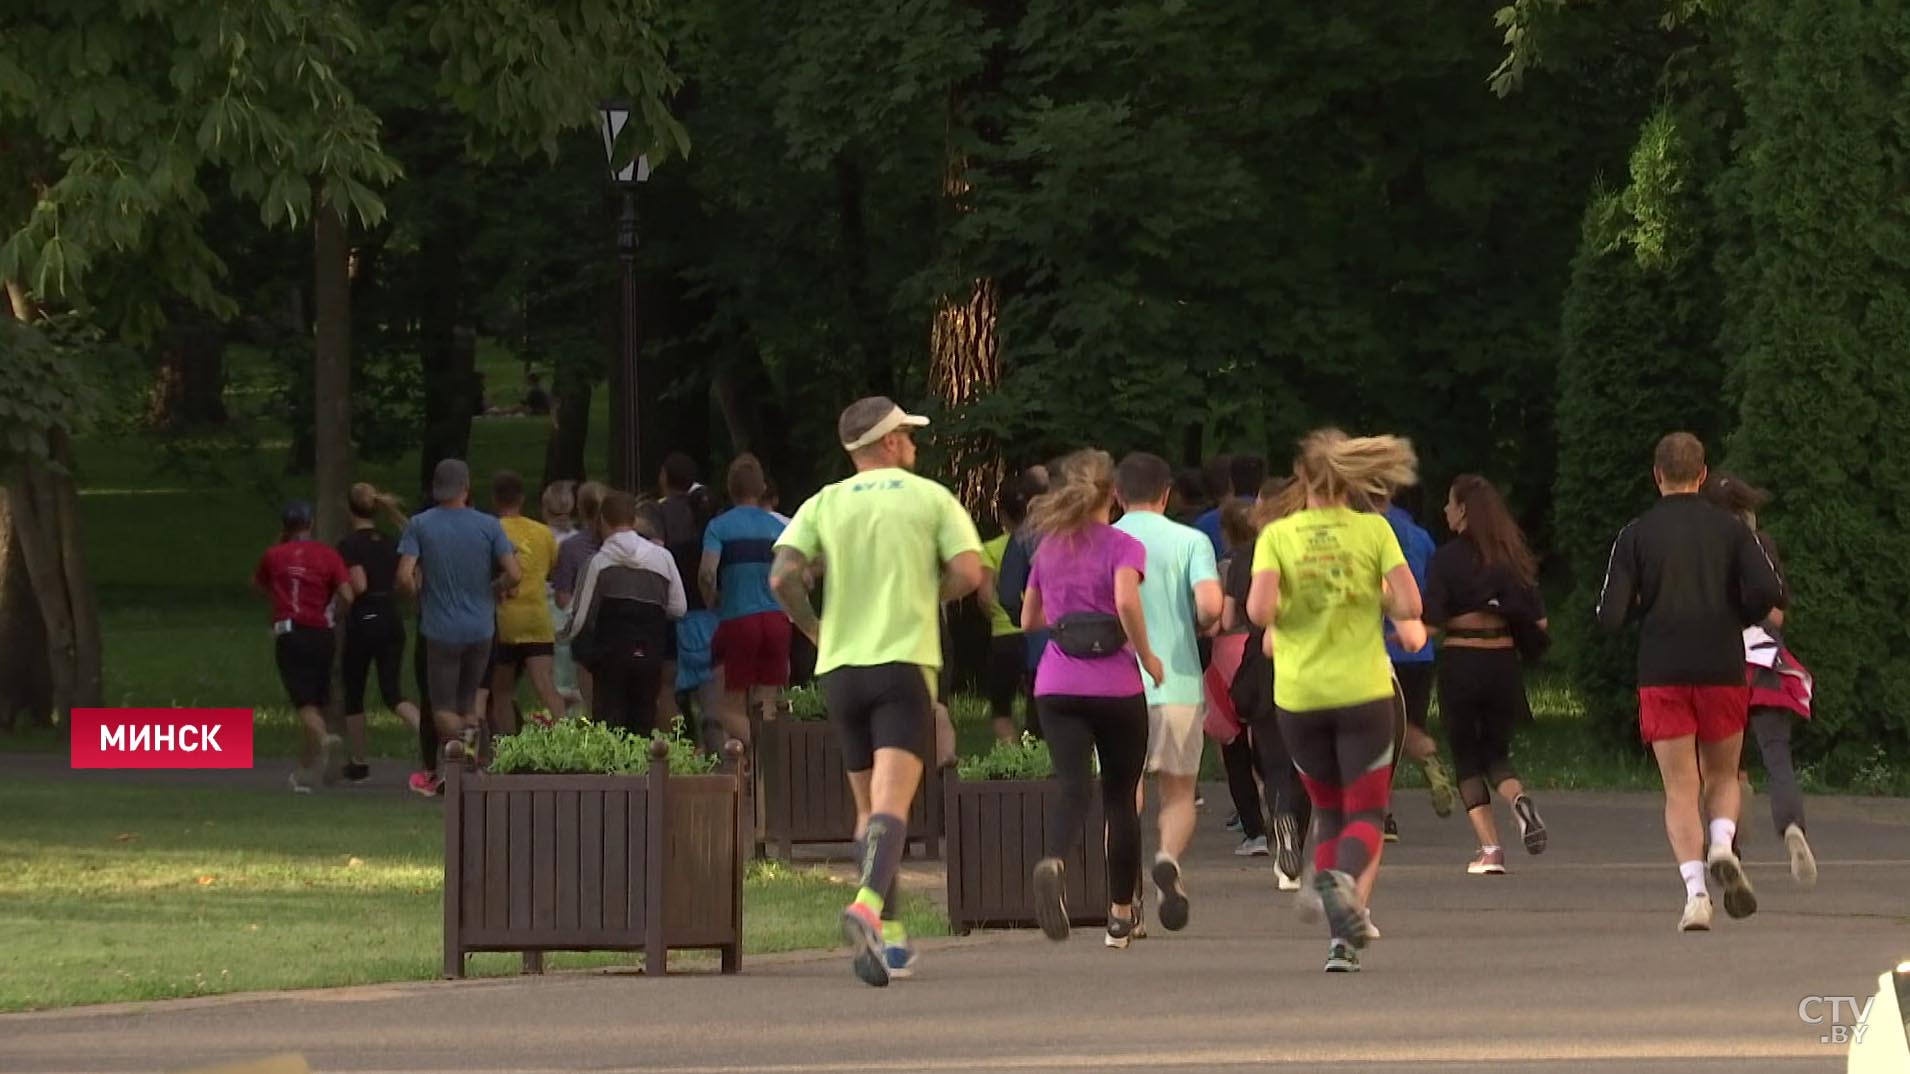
point(1694, 577)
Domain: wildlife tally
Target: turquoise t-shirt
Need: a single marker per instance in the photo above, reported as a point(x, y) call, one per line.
point(1178, 558)
point(744, 539)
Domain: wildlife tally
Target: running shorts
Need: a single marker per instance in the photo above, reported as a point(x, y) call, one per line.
point(1174, 738)
point(454, 671)
point(1712, 713)
point(752, 650)
point(885, 706)
point(304, 656)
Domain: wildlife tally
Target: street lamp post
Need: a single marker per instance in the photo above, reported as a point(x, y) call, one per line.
point(625, 462)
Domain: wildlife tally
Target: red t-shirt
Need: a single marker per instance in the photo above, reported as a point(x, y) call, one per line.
point(303, 577)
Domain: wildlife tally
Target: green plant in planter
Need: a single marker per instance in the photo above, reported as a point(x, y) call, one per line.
point(586, 747)
point(1023, 758)
point(805, 703)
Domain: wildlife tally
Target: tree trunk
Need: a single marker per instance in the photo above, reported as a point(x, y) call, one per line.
point(26, 685)
point(449, 355)
point(44, 506)
point(570, 423)
point(189, 386)
point(331, 379)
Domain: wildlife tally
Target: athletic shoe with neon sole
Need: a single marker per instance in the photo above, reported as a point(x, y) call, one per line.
point(1051, 903)
point(1728, 872)
point(424, 784)
point(862, 929)
point(900, 958)
point(1341, 958)
point(1440, 782)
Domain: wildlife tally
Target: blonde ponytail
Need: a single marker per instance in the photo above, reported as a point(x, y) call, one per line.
point(1084, 487)
point(1338, 469)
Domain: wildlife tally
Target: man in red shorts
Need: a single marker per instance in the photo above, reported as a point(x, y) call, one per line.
point(751, 646)
point(1693, 577)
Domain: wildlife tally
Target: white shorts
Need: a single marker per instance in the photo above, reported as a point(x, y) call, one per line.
point(1174, 738)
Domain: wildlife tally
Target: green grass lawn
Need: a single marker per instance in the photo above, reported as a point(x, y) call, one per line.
point(130, 892)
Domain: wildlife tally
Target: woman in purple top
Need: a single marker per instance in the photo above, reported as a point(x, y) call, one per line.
point(1085, 585)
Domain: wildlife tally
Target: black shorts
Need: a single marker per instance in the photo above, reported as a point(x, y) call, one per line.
point(305, 666)
point(1007, 672)
point(454, 672)
point(373, 639)
point(514, 653)
point(887, 706)
point(1416, 683)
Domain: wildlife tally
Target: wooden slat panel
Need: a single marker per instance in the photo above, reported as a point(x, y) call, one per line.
point(590, 859)
point(497, 851)
point(615, 812)
point(543, 859)
point(520, 859)
point(988, 820)
point(471, 864)
point(636, 819)
point(568, 852)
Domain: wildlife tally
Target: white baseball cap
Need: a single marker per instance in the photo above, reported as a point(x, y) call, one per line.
point(869, 420)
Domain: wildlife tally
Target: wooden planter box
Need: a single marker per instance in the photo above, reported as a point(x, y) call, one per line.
point(537, 863)
point(804, 793)
point(996, 835)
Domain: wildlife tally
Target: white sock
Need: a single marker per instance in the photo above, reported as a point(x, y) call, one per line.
point(1723, 830)
point(1693, 872)
point(1493, 849)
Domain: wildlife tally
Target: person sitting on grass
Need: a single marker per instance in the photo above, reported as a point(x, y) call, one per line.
point(303, 578)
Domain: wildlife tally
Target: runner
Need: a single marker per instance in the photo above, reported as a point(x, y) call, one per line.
point(1415, 670)
point(1482, 591)
point(457, 559)
point(1693, 577)
point(1235, 479)
point(1086, 583)
point(1011, 582)
point(302, 578)
point(625, 603)
point(1181, 600)
point(1229, 655)
point(690, 679)
point(572, 557)
point(559, 504)
point(891, 547)
point(1008, 671)
point(751, 646)
point(526, 638)
point(1780, 686)
point(1321, 576)
point(1252, 694)
point(375, 626)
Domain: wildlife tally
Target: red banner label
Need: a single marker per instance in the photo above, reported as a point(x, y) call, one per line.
point(162, 738)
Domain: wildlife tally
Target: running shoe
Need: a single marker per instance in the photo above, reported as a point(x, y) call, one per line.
point(900, 958)
point(1341, 958)
point(331, 758)
point(1286, 841)
point(1728, 871)
point(1370, 930)
point(1252, 848)
point(1440, 781)
point(1173, 909)
point(301, 782)
point(1803, 862)
point(1340, 898)
point(1200, 801)
point(1392, 829)
point(1285, 881)
point(1051, 904)
point(1531, 828)
point(862, 929)
point(425, 784)
point(1119, 933)
point(1697, 915)
point(1488, 862)
point(1233, 823)
point(1307, 904)
point(357, 772)
point(1140, 914)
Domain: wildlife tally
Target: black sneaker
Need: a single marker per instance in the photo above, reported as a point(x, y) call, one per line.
point(1392, 829)
point(1051, 904)
point(1530, 826)
point(1119, 933)
point(1341, 958)
point(357, 772)
point(1173, 908)
point(1286, 842)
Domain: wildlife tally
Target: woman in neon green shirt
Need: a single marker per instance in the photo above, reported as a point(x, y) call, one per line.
point(1321, 577)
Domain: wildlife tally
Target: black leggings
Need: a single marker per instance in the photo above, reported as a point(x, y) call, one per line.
point(1481, 698)
point(1116, 729)
point(378, 640)
point(1345, 757)
point(1238, 758)
point(627, 687)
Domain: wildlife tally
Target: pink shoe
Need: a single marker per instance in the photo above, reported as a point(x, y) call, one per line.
point(426, 784)
point(1488, 862)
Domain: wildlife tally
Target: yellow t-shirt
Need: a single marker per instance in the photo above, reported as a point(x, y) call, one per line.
point(883, 536)
point(1328, 649)
point(526, 616)
point(999, 625)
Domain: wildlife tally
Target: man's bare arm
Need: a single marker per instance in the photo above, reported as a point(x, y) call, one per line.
point(789, 580)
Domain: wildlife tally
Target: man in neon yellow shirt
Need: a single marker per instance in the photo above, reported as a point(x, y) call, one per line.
point(891, 547)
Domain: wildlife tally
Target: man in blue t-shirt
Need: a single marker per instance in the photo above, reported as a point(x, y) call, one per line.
point(1414, 671)
point(751, 647)
point(1240, 474)
point(466, 561)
